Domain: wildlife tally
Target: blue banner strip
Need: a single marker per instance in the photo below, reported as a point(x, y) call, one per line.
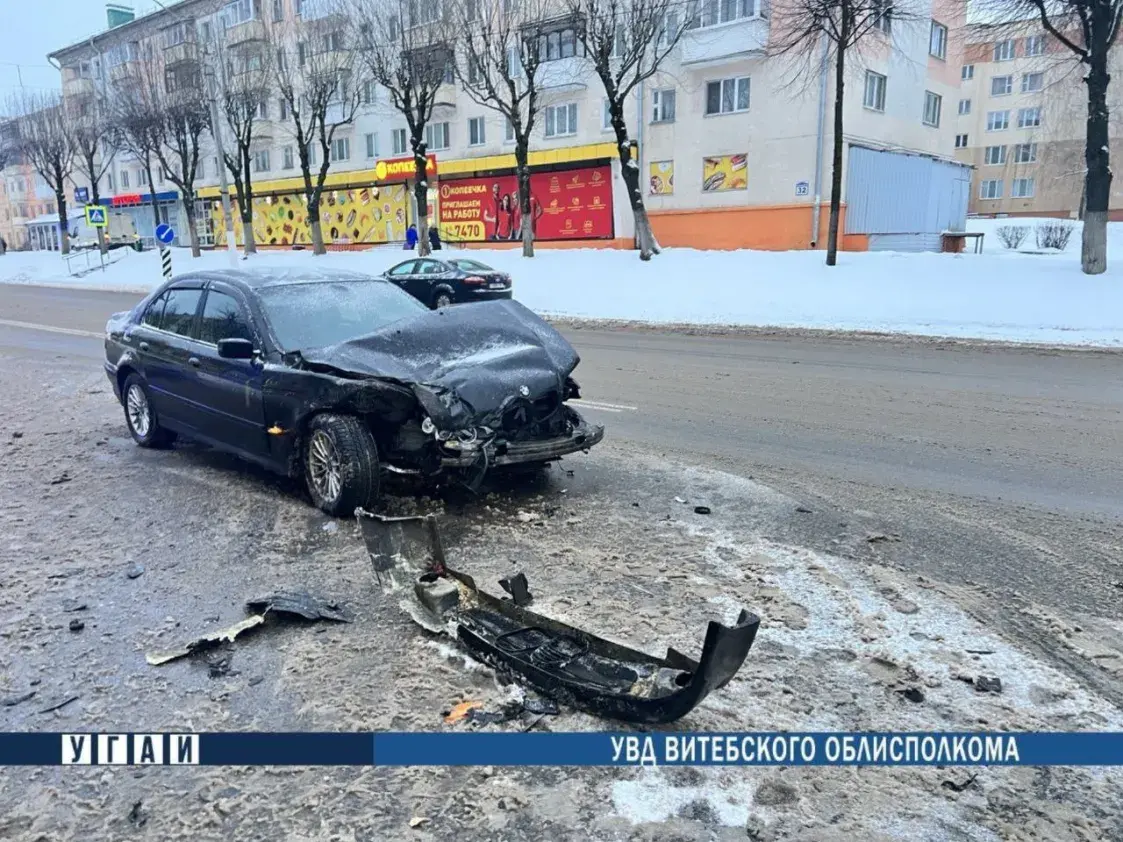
point(565, 749)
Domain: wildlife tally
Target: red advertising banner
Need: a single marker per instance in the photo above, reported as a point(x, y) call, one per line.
point(566, 205)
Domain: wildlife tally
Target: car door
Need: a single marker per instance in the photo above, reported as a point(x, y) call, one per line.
point(163, 342)
point(402, 275)
point(228, 393)
point(425, 276)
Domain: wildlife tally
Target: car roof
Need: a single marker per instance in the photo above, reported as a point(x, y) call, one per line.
point(261, 278)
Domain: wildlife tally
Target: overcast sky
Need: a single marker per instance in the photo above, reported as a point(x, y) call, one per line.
point(29, 29)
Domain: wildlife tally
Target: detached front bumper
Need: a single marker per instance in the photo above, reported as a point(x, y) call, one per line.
point(500, 453)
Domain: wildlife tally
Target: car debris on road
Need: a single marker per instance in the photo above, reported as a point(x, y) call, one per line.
point(564, 663)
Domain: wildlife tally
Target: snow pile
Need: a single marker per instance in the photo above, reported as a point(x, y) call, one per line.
point(999, 295)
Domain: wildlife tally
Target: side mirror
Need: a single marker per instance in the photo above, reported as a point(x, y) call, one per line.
point(235, 349)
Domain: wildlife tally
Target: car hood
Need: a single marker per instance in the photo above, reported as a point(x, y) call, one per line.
point(467, 364)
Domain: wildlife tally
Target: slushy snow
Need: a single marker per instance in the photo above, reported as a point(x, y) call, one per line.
point(1019, 296)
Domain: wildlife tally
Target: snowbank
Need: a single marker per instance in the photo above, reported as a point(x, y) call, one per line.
point(999, 295)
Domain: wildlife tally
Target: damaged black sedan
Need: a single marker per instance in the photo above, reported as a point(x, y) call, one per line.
point(341, 377)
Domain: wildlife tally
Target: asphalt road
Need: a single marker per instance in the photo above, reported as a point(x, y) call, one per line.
point(995, 465)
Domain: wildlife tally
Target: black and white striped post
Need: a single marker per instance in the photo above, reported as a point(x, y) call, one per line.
point(166, 262)
point(165, 234)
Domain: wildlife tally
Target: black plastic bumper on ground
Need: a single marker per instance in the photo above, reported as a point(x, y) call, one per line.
point(515, 453)
point(565, 663)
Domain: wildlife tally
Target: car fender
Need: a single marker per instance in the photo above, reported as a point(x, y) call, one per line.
point(438, 288)
point(129, 361)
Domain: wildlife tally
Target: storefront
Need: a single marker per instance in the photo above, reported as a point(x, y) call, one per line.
point(357, 208)
point(139, 207)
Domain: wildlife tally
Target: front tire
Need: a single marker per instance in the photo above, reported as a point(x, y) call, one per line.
point(443, 298)
point(341, 464)
point(140, 417)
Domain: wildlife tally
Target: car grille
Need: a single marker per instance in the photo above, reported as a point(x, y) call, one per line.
point(528, 417)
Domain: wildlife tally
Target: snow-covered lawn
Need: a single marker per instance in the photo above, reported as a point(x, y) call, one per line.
point(999, 294)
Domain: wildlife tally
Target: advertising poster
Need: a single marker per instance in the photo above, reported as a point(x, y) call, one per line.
point(725, 172)
point(572, 204)
point(661, 177)
point(352, 215)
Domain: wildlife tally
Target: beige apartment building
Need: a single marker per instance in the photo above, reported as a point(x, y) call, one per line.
point(1021, 123)
point(733, 153)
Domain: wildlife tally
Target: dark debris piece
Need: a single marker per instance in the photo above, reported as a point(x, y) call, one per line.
point(518, 588)
point(540, 704)
point(913, 694)
point(72, 605)
point(988, 685)
point(77, 625)
point(138, 816)
point(701, 510)
point(59, 704)
point(12, 701)
point(135, 571)
point(301, 604)
point(959, 787)
point(61, 478)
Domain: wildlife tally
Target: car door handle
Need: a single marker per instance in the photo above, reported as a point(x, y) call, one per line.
point(144, 346)
point(193, 361)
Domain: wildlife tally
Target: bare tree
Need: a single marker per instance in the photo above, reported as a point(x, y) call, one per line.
point(801, 28)
point(407, 48)
point(135, 120)
point(184, 120)
point(627, 41)
point(91, 134)
point(500, 70)
point(44, 142)
point(1088, 29)
point(318, 80)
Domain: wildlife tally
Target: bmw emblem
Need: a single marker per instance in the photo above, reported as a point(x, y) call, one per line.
point(524, 391)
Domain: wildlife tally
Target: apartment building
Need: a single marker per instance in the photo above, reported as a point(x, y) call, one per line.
point(733, 153)
point(1020, 122)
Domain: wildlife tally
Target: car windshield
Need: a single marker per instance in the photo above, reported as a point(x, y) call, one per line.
point(471, 265)
point(315, 315)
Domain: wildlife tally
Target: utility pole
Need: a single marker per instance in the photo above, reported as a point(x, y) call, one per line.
point(216, 133)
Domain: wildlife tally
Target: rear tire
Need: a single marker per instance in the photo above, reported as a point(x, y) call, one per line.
point(140, 416)
point(341, 464)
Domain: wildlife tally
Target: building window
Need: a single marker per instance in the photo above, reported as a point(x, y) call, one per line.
point(714, 12)
point(142, 178)
point(508, 131)
point(990, 188)
point(606, 116)
point(278, 10)
point(301, 53)
point(559, 44)
point(367, 93)
point(109, 181)
point(964, 106)
point(124, 178)
point(475, 71)
point(214, 165)
point(998, 120)
point(1035, 45)
point(240, 11)
point(1032, 82)
point(932, 105)
point(160, 177)
point(884, 21)
point(398, 141)
point(476, 131)
point(1001, 85)
point(261, 161)
point(874, 95)
point(372, 144)
point(1021, 188)
point(561, 120)
point(1004, 50)
point(283, 109)
point(967, 72)
point(961, 141)
point(938, 41)
point(663, 106)
point(286, 158)
point(995, 156)
point(1029, 118)
point(341, 149)
point(263, 110)
point(436, 136)
point(726, 96)
point(424, 11)
point(1025, 153)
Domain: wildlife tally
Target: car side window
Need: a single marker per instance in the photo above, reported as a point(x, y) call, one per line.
point(403, 268)
point(223, 318)
point(429, 267)
point(179, 312)
point(155, 311)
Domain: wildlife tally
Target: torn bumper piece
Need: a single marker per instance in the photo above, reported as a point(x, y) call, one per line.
point(515, 453)
point(564, 663)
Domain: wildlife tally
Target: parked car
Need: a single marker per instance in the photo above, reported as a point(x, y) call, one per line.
point(439, 283)
point(339, 377)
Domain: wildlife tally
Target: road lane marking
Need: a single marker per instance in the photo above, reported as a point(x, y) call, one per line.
point(51, 328)
point(602, 406)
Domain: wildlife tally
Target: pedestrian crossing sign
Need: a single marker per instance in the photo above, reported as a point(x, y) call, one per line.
point(95, 216)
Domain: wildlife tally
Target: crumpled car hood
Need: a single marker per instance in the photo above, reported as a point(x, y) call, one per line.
point(466, 364)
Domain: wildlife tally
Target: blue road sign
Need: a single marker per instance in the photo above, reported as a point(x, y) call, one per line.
point(82, 195)
point(165, 233)
point(95, 216)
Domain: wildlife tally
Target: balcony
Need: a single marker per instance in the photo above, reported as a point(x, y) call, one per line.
point(125, 70)
point(186, 52)
point(245, 33)
point(569, 73)
point(77, 88)
point(723, 41)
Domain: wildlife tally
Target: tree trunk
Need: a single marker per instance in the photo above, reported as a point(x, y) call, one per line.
point(95, 199)
point(1097, 179)
point(526, 209)
point(63, 221)
point(836, 163)
point(192, 229)
point(629, 171)
point(249, 243)
point(421, 197)
point(314, 225)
